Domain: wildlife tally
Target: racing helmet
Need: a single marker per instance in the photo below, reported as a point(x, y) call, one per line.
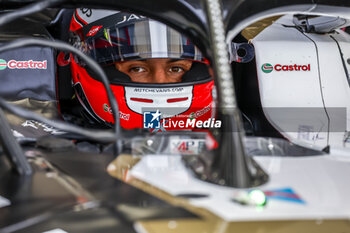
point(112, 36)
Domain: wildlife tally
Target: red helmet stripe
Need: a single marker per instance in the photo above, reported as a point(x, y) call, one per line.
point(142, 100)
point(127, 35)
point(174, 100)
point(79, 18)
point(76, 24)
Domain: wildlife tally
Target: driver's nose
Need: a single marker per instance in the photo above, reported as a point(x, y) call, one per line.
point(159, 75)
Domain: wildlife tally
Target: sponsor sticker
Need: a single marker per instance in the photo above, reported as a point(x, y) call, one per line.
point(199, 113)
point(94, 30)
point(268, 68)
point(122, 115)
point(28, 64)
point(192, 116)
point(186, 146)
point(159, 90)
point(284, 194)
point(106, 108)
point(3, 64)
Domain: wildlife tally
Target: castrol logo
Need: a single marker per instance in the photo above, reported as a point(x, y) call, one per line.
point(30, 64)
point(268, 68)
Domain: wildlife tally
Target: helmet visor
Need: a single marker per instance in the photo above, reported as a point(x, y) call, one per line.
point(140, 40)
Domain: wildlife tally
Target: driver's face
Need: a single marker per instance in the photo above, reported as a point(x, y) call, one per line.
point(156, 70)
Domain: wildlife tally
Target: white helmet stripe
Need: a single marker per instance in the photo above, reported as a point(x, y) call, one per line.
point(158, 33)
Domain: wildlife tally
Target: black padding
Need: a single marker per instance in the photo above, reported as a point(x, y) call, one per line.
point(64, 82)
point(116, 76)
point(198, 72)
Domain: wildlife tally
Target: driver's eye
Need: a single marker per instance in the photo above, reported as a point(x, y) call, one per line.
point(137, 69)
point(176, 69)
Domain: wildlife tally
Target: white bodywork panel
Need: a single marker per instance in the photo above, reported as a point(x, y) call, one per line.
point(304, 105)
point(335, 86)
point(320, 182)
